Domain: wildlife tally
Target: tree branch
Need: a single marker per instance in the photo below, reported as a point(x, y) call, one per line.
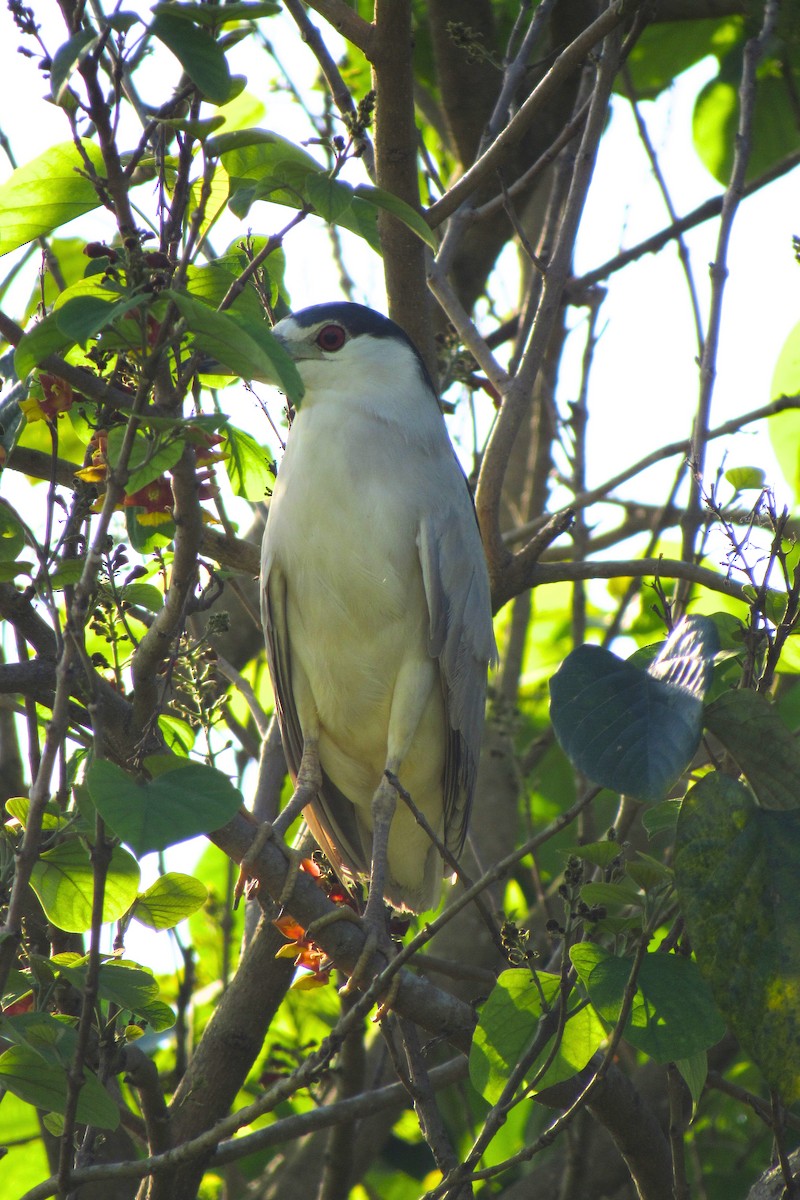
point(567, 62)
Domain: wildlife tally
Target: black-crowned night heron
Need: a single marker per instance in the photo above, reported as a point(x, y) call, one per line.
point(375, 604)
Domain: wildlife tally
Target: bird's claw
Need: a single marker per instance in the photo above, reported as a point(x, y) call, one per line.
point(265, 831)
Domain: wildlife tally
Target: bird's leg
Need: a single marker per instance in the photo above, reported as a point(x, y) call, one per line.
point(307, 786)
point(384, 803)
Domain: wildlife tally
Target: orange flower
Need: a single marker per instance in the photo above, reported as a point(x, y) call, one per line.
point(49, 397)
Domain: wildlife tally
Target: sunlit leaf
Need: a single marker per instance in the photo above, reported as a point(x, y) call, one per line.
point(509, 1023)
point(248, 466)
point(47, 192)
point(63, 879)
point(169, 900)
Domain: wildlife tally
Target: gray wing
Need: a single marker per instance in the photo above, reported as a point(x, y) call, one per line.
point(461, 638)
point(332, 818)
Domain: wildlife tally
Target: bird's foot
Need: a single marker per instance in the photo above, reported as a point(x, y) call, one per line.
point(246, 882)
point(375, 924)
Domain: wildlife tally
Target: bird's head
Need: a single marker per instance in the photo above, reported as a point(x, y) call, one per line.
point(347, 350)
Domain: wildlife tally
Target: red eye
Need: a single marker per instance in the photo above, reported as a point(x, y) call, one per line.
point(331, 337)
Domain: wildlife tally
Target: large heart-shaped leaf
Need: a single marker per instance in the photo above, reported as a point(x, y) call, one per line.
point(181, 803)
point(631, 730)
point(737, 868)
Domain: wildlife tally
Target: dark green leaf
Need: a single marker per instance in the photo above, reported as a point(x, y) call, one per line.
point(661, 818)
point(44, 1085)
point(201, 57)
point(125, 984)
point(83, 317)
point(600, 854)
point(184, 802)
point(171, 899)
point(673, 1015)
point(66, 59)
point(509, 1022)
point(248, 350)
point(760, 744)
point(51, 1037)
point(630, 730)
point(331, 198)
point(63, 879)
point(611, 895)
point(67, 572)
point(736, 869)
point(215, 15)
point(46, 193)
point(398, 208)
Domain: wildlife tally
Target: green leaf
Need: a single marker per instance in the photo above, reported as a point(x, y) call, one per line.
point(125, 984)
point(66, 59)
point(746, 478)
point(248, 350)
point(673, 1015)
point(83, 317)
point(247, 466)
point(264, 166)
point(331, 198)
point(201, 57)
point(760, 744)
point(52, 1038)
point(630, 730)
point(600, 854)
point(716, 119)
point(211, 283)
point(213, 16)
point(694, 1072)
point(142, 595)
point(398, 208)
point(12, 534)
point(184, 802)
point(44, 1085)
point(52, 817)
point(150, 456)
point(158, 1015)
point(661, 818)
point(612, 895)
point(171, 899)
point(46, 193)
point(41, 339)
point(784, 427)
point(736, 869)
point(508, 1024)
point(671, 47)
point(63, 879)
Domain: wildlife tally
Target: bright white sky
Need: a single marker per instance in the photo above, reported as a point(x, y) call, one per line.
point(645, 380)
